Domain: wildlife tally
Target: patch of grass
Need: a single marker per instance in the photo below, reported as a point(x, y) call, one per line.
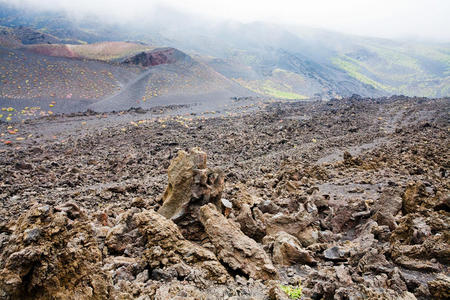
point(354, 71)
point(292, 292)
point(282, 94)
point(270, 88)
point(108, 50)
point(396, 57)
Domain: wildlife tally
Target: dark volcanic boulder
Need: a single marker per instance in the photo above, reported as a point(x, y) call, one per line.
point(158, 56)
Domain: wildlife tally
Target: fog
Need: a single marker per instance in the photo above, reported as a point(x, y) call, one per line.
point(405, 19)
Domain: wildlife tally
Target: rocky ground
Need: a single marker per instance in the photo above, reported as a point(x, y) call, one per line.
point(348, 198)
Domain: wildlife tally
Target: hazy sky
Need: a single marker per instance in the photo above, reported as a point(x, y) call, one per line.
point(425, 19)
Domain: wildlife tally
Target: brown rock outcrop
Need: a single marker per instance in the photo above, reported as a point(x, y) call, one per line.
point(387, 207)
point(190, 181)
point(167, 246)
point(287, 251)
point(52, 254)
point(440, 287)
point(413, 197)
point(234, 248)
point(157, 242)
point(420, 242)
point(251, 222)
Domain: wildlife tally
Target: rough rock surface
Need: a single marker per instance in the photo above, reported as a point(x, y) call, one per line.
point(190, 181)
point(52, 254)
point(440, 287)
point(375, 219)
point(166, 245)
point(251, 222)
point(287, 251)
point(233, 247)
point(420, 241)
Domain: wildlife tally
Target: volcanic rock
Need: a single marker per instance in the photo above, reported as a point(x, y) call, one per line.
point(159, 243)
point(334, 253)
point(287, 251)
point(166, 245)
point(190, 181)
point(413, 197)
point(251, 223)
point(350, 160)
point(294, 224)
point(50, 255)
point(387, 207)
point(234, 248)
point(421, 238)
point(373, 261)
point(440, 287)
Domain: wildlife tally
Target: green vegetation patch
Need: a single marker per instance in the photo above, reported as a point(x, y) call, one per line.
point(270, 88)
point(282, 94)
point(354, 71)
point(292, 292)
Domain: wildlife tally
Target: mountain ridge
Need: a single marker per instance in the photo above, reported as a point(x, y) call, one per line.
point(267, 59)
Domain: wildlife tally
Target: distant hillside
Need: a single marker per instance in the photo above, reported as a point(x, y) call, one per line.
point(54, 23)
point(312, 62)
point(399, 68)
point(13, 37)
point(170, 76)
point(29, 36)
point(108, 76)
point(106, 51)
point(277, 61)
point(25, 75)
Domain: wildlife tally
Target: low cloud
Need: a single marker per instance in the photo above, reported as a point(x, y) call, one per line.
point(424, 19)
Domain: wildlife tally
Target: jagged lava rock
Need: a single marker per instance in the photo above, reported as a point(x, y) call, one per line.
point(251, 222)
point(420, 242)
point(157, 242)
point(52, 254)
point(190, 181)
point(234, 248)
point(287, 251)
point(167, 246)
point(440, 287)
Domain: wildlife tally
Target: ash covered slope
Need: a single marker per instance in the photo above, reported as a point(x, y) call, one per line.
point(18, 36)
point(29, 76)
point(170, 76)
point(112, 75)
point(46, 68)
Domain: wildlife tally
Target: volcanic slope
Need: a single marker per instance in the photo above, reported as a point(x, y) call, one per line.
point(15, 37)
point(70, 78)
point(55, 84)
point(104, 51)
point(172, 77)
point(27, 75)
